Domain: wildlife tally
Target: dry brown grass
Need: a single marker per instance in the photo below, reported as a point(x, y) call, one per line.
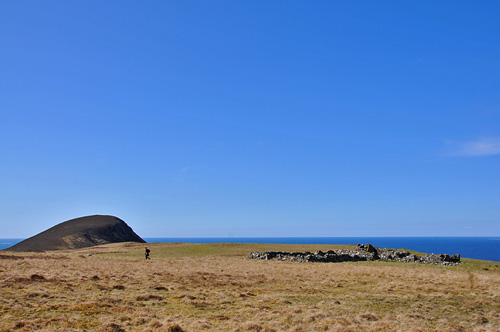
point(214, 288)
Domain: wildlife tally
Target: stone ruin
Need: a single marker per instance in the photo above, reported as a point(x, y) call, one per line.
point(361, 253)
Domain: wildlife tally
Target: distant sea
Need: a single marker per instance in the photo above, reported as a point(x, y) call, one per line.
point(485, 248)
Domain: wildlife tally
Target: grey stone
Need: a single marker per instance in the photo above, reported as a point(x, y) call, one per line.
point(362, 253)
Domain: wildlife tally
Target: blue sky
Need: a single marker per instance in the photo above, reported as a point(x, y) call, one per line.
point(252, 118)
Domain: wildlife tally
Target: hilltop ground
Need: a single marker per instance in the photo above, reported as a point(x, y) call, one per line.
point(212, 287)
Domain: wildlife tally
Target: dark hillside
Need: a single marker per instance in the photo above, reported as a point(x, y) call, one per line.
point(80, 233)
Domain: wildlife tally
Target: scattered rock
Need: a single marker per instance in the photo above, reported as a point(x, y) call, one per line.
point(362, 253)
point(370, 248)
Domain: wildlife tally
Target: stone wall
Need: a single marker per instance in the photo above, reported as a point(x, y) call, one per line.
point(362, 253)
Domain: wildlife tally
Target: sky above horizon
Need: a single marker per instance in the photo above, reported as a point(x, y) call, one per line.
point(252, 118)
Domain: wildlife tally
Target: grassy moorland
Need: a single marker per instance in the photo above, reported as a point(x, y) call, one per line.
point(212, 287)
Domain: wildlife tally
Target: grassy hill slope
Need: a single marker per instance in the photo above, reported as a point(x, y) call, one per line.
point(212, 287)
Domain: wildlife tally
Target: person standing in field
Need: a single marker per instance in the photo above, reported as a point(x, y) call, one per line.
point(147, 253)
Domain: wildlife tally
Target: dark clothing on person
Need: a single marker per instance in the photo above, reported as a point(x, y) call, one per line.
point(147, 253)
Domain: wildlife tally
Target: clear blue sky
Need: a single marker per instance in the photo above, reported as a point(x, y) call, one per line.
point(252, 118)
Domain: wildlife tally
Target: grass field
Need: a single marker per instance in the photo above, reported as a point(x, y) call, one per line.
point(212, 287)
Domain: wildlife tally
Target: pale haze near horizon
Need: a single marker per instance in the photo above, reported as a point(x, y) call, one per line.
point(252, 118)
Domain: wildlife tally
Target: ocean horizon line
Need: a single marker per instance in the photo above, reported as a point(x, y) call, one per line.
point(311, 237)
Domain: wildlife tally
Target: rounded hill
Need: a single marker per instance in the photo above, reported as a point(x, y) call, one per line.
point(80, 233)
